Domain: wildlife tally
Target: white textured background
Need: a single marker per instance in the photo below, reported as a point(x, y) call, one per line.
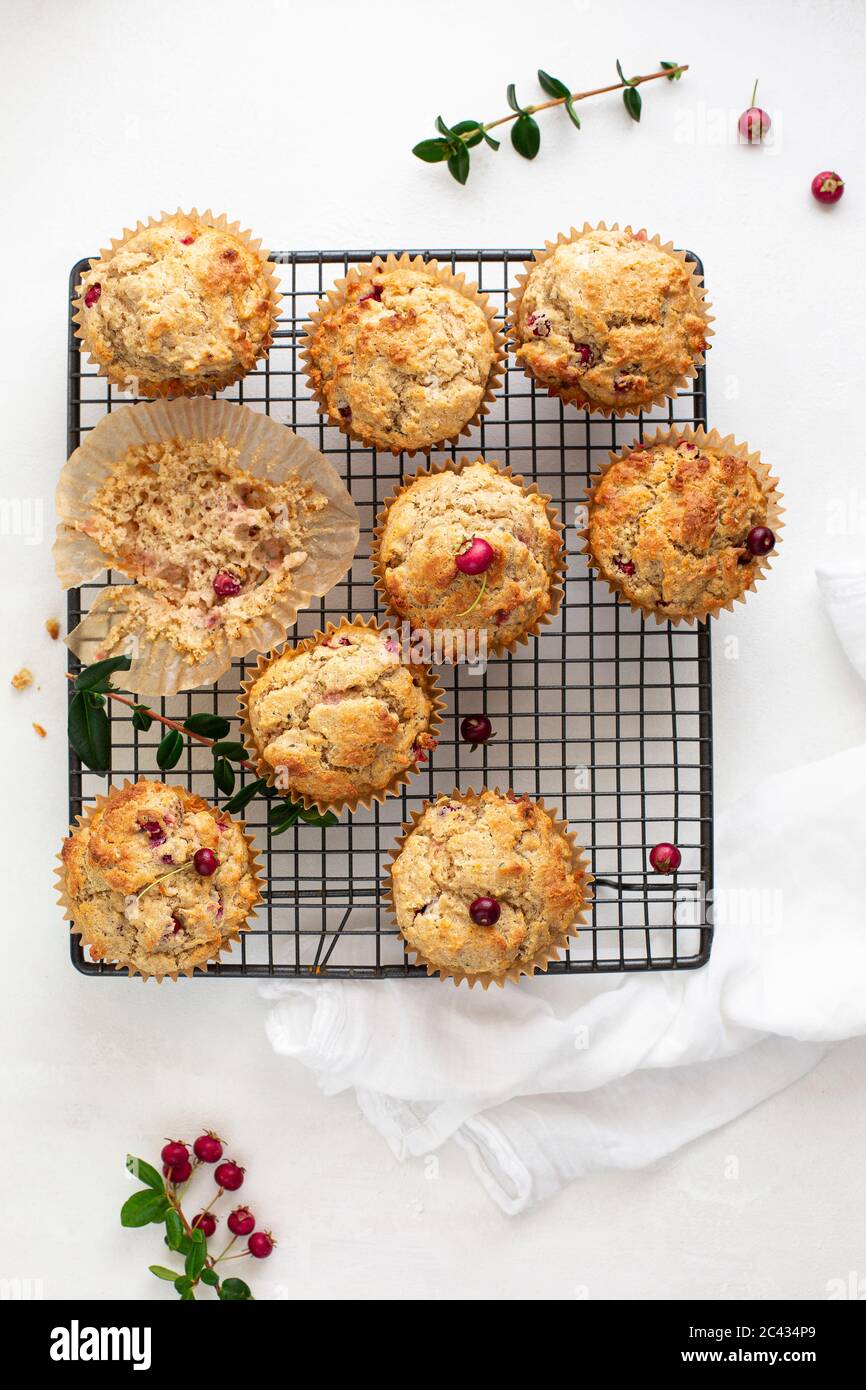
point(299, 120)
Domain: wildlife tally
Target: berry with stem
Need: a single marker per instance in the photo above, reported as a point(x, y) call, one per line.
point(174, 1153)
point(229, 1176)
point(475, 729)
point(260, 1244)
point(754, 123)
point(208, 1148)
point(205, 1221)
point(241, 1221)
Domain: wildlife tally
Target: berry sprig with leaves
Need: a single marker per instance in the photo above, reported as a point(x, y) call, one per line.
point(90, 735)
point(454, 142)
point(159, 1203)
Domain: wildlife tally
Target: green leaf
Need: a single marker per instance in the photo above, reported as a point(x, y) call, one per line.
point(572, 114)
point(246, 794)
point(511, 98)
point(174, 1232)
point(211, 725)
point(141, 718)
point(161, 1272)
point(632, 102)
point(89, 732)
point(314, 817)
point(458, 164)
point(169, 751)
point(622, 76)
point(188, 1297)
point(526, 136)
point(224, 776)
point(282, 816)
point(95, 677)
point(489, 140)
point(552, 85)
point(234, 1290)
point(145, 1173)
point(235, 751)
point(470, 141)
point(183, 1284)
point(143, 1208)
point(431, 151)
point(672, 76)
point(195, 1260)
point(210, 1277)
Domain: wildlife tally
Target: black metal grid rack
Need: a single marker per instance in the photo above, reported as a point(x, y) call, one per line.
point(605, 716)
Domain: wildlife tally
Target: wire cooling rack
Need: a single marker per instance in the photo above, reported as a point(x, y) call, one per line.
point(605, 716)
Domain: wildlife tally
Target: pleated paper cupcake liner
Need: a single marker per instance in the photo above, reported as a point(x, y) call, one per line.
point(119, 375)
point(121, 966)
point(268, 773)
point(702, 305)
point(702, 440)
point(265, 448)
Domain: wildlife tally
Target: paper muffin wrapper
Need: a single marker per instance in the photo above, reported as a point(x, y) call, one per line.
point(127, 967)
point(703, 440)
point(264, 769)
point(557, 578)
point(265, 448)
point(335, 297)
point(565, 238)
point(120, 376)
point(540, 961)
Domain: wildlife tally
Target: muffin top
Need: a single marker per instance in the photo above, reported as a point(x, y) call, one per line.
point(485, 846)
point(339, 720)
point(182, 306)
point(209, 544)
point(404, 362)
point(432, 522)
point(668, 527)
point(610, 321)
point(135, 892)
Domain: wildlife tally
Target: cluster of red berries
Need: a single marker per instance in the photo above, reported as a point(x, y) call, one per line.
point(228, 1175)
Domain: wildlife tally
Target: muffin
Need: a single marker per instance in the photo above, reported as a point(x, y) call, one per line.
point(487, 887)
point(682, 525)
point(469, 549)
point(403, 354)
point(157, 881)
point(181, 307)
point(341, 718)
point(226, 522)
point(610, 320)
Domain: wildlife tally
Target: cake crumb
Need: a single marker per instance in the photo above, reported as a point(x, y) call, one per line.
point(40, 731)
point(52, 627)
point(22, 678)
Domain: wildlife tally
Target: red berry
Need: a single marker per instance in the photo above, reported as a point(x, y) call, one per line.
point(665, 858)
point(760, 540)
point(477, 557)
point(208, 1147)
point(241, 1221)
point(374, 293)
point(92, 294)
point(827, 187)
point(226, 585)
point(584, 352)
point(174, 1153)
point(205, 1221)
point(485, 912)
point(754, 124)
point(625, 566)
point(540, 325)
point(206, 863)
point(260, 1244)
point(178, 1172)
point(187, 240)
point(475, 729)
point(229, 1176)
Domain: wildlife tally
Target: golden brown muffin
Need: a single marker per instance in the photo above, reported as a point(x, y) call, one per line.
point(610, 321)
point(404, 361)
point(669, 528)
point(434, 520)
point(179, 308)
point(157, 880)
point(210, 545)
point(342, 717)
point(467, 856)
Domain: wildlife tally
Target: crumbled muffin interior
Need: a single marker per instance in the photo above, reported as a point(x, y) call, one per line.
point(209, 545)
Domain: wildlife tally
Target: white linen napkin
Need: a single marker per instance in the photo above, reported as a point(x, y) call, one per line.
point(567, 1075)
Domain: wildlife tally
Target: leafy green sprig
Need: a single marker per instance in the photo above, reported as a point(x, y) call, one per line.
point(158, 1203)
point(90, 735)
point(453, 143)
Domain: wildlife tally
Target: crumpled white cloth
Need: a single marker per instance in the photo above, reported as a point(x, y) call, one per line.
point(568, 1075)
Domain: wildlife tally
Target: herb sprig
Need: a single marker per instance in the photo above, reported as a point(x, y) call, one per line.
point(453, 143)
point(90, 735)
